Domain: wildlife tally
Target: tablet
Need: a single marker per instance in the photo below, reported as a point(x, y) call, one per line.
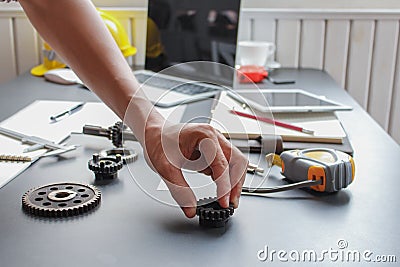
point(286, 100)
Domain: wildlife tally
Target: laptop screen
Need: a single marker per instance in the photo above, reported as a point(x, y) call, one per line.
point(181, 31)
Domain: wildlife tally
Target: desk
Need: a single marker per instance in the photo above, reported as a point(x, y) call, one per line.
point(131, 229)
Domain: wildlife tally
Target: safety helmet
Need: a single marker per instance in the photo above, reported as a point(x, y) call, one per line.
point(52, 61)
point(154, 48)
point(118, 33)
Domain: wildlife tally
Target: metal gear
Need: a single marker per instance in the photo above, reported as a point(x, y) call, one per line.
point(116, 132)
point(128, 155)
point(211, 214)
point(105, 168)
point(61, 199)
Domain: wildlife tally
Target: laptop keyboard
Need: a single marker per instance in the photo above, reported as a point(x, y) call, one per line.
point(169, 84)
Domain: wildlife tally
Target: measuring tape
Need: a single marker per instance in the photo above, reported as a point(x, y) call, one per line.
point(321, 169)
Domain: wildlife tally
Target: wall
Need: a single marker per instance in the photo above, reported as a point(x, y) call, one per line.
point(358, 47)
point(341, 4)
point(336, 4)
point(364, 4)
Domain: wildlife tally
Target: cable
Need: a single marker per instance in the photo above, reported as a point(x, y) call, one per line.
point(267, 190)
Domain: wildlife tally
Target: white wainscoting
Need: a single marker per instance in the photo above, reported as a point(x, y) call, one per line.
point(360, 49)
point(20, 45)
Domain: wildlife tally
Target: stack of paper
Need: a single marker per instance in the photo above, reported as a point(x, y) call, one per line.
point(327, 128)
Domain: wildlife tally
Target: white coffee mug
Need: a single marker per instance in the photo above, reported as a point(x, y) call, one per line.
point(255, 53)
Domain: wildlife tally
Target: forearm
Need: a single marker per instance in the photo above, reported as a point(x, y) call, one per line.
point(75, 30)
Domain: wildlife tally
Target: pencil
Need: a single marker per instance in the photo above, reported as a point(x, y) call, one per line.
point(274, 122)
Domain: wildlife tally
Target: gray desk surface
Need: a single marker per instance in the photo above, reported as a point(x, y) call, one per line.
point(131, 229)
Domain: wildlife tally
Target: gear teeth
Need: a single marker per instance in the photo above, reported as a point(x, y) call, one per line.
point(105, 167)
point(73, 207)
point(211, 214)
point(116, 134)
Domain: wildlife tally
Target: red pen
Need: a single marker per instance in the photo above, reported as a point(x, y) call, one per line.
point(271, 121)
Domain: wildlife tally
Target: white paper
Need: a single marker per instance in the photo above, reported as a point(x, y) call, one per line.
point(34, 120)
point(325, 125)
point(9, 170)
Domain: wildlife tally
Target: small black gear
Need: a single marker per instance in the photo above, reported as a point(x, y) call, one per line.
point(128, 155)
point(105, 168)
point(61, 200)
point(211, 214)
point(116, 133)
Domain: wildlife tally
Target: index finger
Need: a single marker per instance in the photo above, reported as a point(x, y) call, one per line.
point(219, 167)
point(180, 191)
point(237, 168)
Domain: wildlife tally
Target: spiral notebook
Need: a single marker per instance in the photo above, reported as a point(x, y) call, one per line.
point(327, 128)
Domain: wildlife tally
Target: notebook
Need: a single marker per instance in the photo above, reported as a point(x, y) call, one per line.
point(189, 31)
point(327, 128)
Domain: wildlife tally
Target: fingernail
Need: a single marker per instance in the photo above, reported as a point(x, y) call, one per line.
point(235, 202)
point(225, 200)
point(190, 212)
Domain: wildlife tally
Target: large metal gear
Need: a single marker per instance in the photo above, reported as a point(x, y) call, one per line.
point(105, 168)
point(61, 200)
point(211, 214)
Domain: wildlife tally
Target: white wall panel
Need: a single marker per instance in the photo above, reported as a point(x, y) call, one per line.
point(394, 123)
point(359, 61)
point(382, 72)
point(27, 55)
point(139, 26)
point(336, 49)
point(264, 29)
point(288, 42)
point(7, 52)
point(312, 44)
point(245, 28)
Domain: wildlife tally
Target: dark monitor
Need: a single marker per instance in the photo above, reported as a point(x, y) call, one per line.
point(181, 31)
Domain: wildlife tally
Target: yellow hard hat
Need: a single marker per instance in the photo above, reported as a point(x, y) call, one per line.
point(154, 47)
point(52, 61)
point(118, 33)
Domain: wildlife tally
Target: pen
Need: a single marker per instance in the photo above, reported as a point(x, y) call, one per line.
point(69, 112)
point(271, 121)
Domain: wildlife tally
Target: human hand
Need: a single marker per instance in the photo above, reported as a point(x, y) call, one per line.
point(198, 147)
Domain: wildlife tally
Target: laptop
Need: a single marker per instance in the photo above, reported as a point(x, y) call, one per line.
point(184, 39)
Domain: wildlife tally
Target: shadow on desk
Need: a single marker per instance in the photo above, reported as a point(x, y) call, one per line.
point(340, 198)
point(183, 227)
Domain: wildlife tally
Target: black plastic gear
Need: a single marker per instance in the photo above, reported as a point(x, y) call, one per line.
point(105, 168)
point(116, 133)
point(61, 200)
point(128, 155)
point(211, 214)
